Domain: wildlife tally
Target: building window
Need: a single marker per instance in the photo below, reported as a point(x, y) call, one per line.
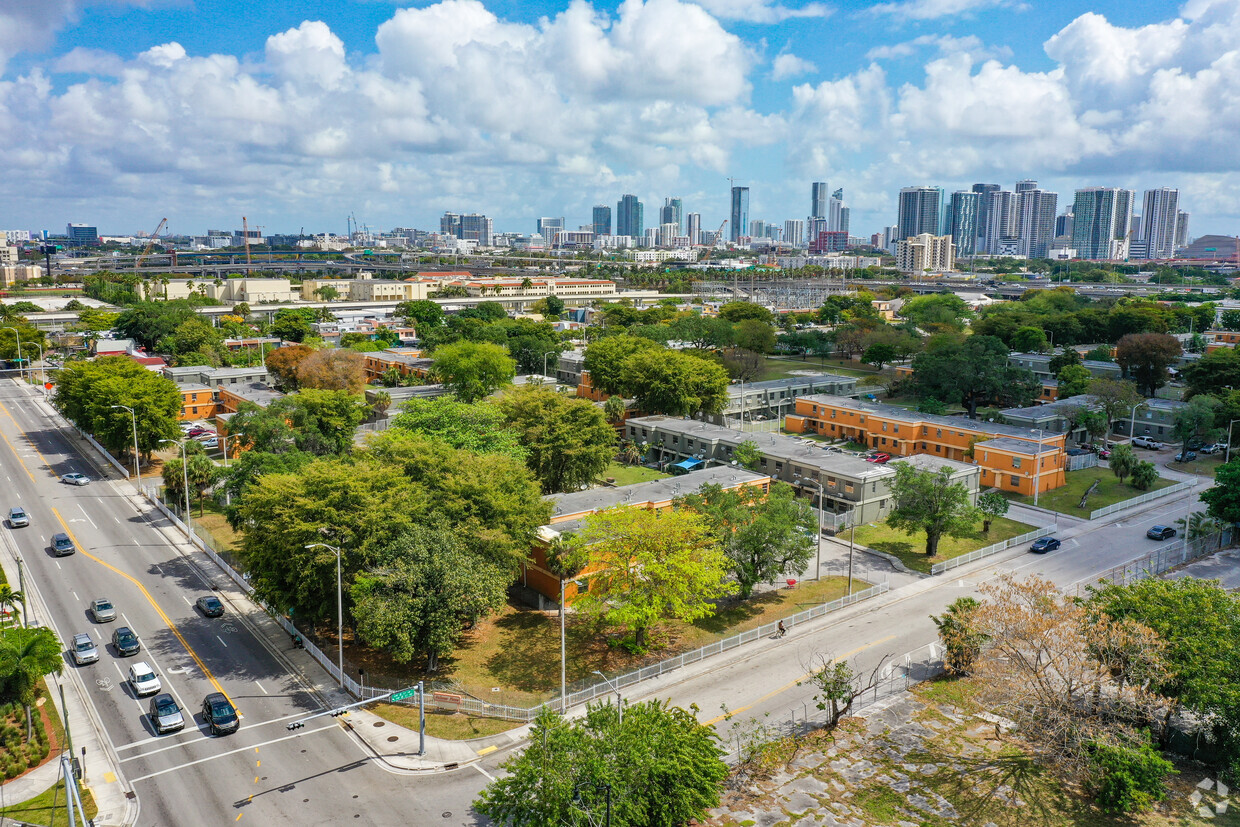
point(848, 488)
point(1015, 461)
point(1015, 481)
point(937, 447)
point(884, 427)
point(938, 432)
point(897, 429)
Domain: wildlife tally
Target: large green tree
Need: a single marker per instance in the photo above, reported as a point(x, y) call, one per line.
point(605, 361)
point(675, 383)
point(929, 501)
point(87, 391)
point(648, 565)
point(659, 764)
point(1223, 498)
point(423, 313)
point(422, 595)
point(739, 311)
point(1116, 398)
point(1195, 421)
point(971, 372)
point(26, 655)
point(147, 323)
point(1073, 380)
point(568, 441)
point(1146, 357)
point(197, 468)
point(765, 536)
point(480, 427)
point(1214, 372)
point(473, 370)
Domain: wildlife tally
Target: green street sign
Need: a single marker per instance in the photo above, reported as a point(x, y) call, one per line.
point(404, 693)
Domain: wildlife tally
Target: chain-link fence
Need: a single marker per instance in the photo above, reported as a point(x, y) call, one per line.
point(1161, 560)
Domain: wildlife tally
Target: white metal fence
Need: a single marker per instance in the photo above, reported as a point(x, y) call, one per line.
point(1144, 498)
point(978, 554)
point(1162, 559)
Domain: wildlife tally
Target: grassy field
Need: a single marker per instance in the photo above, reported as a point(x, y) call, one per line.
point(1109, 491)
point(513, 658)
point(783, 367)
point(911, 548)
point(447, 725)
point(1206, 465)
point(39, 810)
point(630, 474)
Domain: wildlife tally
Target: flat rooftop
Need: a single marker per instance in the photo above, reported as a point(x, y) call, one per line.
point(792, 382)
point(776, 446)
point(929, 462)
point(1018, 446)
point(645, 493)
point(915, 418)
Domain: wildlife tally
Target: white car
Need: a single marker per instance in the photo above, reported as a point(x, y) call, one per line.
point(1146, 442)
point(143, 679)
point(84, 650)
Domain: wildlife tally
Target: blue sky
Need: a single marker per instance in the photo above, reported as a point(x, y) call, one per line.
point(122, 112)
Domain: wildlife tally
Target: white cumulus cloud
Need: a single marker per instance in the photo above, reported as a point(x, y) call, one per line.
point(788, 65)
point(762, 11)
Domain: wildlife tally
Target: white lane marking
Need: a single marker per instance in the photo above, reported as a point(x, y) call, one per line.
point(260, 686)
point(250, 727)
point(484, 772)
point(96, 631)
point(75, 597)
point(117, 520)
point(62, 568)
point(87, 516)
point(187, 603)
point(221, 640)
point(157, 568)
point(335, 727)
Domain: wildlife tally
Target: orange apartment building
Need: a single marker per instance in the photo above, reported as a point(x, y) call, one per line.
point(1218, 339)
point(1009, 458)
point(407, 361)
point(197, 402)
point(571, 509)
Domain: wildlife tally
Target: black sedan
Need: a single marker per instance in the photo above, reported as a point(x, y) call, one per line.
point(1044, 544)
point(1160, 532)
point(218, 713)
point(210, 606)
point(126, 642)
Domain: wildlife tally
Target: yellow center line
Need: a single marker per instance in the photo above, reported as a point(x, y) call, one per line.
point(158, 609)
point(46, 464)
point(791, 684)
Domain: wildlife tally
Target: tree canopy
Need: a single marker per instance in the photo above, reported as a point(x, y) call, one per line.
point(972, 372)
point(925, 500)
point(86, 392)
point(567, 441)
point(473, 370)
point(675, 383)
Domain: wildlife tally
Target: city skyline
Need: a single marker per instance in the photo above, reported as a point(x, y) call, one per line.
point(119, 118)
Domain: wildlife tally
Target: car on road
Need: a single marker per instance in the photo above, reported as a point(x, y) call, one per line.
point(165, 715)
point(126, 642)
point(62, 544)
point(1186, 456)
point(102, 610)
point(143, 680)
point(879, 458)
point(1044, 544)
point(219, 715)
point(210, 606)
point(84, 650)
point(1160, 532)
point(75, 479)
point(1146, 442)
point(18, 517)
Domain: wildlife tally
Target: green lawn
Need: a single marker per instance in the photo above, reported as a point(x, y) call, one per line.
point(785, 367)
point(446, 725)
point(911, 548)
point(1206, 464)
point(39, 810)
point(1065, 499)
point(630, 474)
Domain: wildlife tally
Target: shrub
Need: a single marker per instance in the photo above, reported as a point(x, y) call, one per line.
point(1128, 778)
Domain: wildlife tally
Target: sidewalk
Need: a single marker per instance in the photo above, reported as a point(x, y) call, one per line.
point(101, 769)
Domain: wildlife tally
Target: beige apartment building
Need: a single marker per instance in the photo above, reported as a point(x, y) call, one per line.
point(925, 252)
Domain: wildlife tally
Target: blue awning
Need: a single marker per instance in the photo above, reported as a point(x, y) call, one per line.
point(688, 464)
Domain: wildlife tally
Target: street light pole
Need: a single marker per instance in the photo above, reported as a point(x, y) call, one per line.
point(1037, 469)
point(136, 472)
point(619, 700)
point(42, 368)
point(1227, 456)
point(18, 336)
point(545, 355)
point(1132, 421)
point(184, 474)
point(339, 611)
point(818, 543)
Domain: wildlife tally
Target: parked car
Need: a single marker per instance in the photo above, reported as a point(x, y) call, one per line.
point(18, 517)
point(210, 606)
point(165, 715)
point(1044, 544)
point(75, 479)
point(84, 650)
point(1186, 456)
point(1160, 532)
point(879, 458)
point(197, 432)
point(210, 442)
point(126, 642)
point(1146, 442)
point(219, 714)
point(1104, 453)
point(62, 544)
point(143, 680)
point(1213, 449)
point(102, 610)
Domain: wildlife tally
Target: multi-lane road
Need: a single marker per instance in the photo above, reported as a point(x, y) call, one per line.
point(262, 774)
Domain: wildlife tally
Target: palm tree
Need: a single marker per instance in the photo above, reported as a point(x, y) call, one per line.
point(10, 599)
point(1199, 524)
point(26, 655)
point(383, 401)
point(630, 453)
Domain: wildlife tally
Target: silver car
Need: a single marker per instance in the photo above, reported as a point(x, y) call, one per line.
point(165, 714)
point(84, 650)
point(18, 517)
point(75, 479)
point(102, 610)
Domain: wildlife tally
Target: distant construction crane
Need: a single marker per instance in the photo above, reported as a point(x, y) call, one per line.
point(245, 234)
point(150, 244)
